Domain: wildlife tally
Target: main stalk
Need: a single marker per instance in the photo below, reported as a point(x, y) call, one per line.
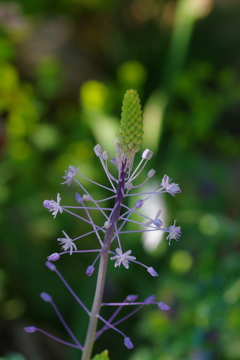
point(92, 326)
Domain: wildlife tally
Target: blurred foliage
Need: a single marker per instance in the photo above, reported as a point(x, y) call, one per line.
point(64, 67)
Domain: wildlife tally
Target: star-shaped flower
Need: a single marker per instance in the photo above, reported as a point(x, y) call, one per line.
point(53, 206)
point(173, 188)
point(69, 174)
point(67, 243)
point(174, 232)
point(123, 258)
point(157, 222)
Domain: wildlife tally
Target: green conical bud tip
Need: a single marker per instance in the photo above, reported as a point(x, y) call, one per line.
point(130, 131)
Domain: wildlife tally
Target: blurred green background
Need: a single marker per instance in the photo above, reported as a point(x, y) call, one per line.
point(64, 68)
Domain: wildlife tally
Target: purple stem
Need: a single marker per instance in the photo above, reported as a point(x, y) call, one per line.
point(105, 327)
point(72, 292)
point(86, 355)
point(65, 324)
point(59, 340)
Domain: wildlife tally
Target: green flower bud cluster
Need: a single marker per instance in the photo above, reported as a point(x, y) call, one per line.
point(130, 132)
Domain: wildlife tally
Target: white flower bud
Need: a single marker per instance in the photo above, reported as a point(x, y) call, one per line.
point(147, 154)
point(98, 150)
point(129, 185)
point(151, 173)
point(107, 224)
point(105, 155)
point(87, 197)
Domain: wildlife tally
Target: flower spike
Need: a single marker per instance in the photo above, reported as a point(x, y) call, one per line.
point(112, 223)
point(130, 130)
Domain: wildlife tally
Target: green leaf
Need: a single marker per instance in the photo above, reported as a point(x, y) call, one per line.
point(102, 356)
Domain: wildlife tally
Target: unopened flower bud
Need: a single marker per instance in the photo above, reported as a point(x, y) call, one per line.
point(90, 270)
point(163, 306)
point(98, 150)
point(147, 154)
point(105, 155)
point(152, 271)
point(87, 197)
point(128, 343)
point(50, 265)
point(30, 329)
point(132, 298)
point(79, 198)
point(151, 173)
point(46, 297)
point(53, 257)
point(129, 185)
point(150, 299)
point(107, 224)
point(138, 204)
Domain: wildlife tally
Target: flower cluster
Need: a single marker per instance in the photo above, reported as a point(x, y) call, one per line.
point(121, 186)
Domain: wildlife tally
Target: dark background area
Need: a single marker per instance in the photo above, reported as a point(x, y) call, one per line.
point(64, 68)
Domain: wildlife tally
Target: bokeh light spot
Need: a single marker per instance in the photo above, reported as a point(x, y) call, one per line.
point(93, 95)
point(13, 309)
point(208, 224)
point(45, 137)
point(20, 150)
point(181, 261)
point(132, 73)
point(233, 293)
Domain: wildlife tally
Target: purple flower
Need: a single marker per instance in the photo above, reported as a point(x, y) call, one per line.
point(173, 188)
point(67, 243)
point(53, 206)
point(123, 258)
point(157, 222)
point(70, 173)
point(174, 232)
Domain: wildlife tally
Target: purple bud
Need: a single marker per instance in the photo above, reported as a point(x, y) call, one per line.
point(129, 185)
point(79, 198)
point(50, 265)
point(163, 306)
point(90, 270)
point(105, 155)
point(30, 329)
point(152, 271)
point(138, 204)
point(98, 150)
point(151, 173)
point(53, 257)
point(48, 204)
point(150, 299)
point(46, 297)
point(131, 298)
point(128, 343)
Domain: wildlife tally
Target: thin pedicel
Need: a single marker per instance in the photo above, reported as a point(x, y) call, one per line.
point(110, 230)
